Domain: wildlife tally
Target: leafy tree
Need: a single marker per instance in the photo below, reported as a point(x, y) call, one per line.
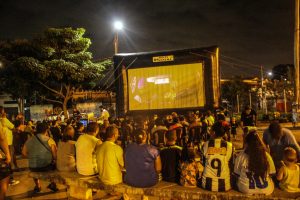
point(230, 89)
point(59, 62)
point(12, 81)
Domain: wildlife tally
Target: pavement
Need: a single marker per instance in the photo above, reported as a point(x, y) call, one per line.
point(24, 190)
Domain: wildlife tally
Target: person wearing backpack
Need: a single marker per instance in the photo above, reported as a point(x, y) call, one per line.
point(41, 153)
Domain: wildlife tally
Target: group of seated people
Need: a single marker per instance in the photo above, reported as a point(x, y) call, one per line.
point(214, 165)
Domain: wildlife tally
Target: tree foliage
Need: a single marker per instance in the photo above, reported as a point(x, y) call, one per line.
point(58, 61)
point(230, 89)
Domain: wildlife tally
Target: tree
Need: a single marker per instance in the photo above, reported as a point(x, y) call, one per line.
point(12, 81)
point(60, 63)
point(234, 87)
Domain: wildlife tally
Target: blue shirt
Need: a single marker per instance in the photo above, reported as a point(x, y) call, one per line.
point(139, 164)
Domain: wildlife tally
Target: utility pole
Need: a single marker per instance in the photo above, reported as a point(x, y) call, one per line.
point(238, 103)
point(297, 52)
point(250, 99)
point(284, 98)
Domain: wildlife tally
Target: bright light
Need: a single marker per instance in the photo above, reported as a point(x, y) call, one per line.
point(270, 73)
point(118, 25)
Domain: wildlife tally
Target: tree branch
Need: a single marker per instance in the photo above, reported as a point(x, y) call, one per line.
point(52, 90)
point(51, 100)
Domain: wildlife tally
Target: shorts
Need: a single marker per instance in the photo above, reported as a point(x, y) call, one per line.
point(50, 167)
point(5, 170)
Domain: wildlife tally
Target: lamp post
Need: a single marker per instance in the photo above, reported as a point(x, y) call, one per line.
point(118, 26)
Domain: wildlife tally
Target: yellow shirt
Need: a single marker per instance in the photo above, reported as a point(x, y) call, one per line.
point(110, 162)
point(8, 127)
point(290, 181)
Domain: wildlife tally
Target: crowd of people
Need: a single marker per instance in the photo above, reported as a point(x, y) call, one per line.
point(193, 150)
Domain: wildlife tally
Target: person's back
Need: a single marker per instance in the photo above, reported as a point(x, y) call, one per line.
point(254, 167)
point(110, 159)
point(85, 151)
point(66, 151)
point(38, 155)
point(170, 158)
point(289, 173)
point(66, 156)
point(142, 162)
point(56, 133)
point(217, 154)
point(277, 139)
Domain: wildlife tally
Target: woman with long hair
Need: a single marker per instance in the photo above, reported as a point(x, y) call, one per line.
point(66, 151)
point(254, 166)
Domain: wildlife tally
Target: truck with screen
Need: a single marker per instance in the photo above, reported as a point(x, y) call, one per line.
point(164, 81)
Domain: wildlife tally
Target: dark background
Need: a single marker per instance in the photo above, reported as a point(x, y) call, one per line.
point(249, 33)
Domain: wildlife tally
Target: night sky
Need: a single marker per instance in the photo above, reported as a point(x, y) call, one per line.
point(249, 32)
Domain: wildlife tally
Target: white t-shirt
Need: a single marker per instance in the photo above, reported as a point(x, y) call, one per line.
point(85, 155)
point(216, 175)
point(250, 184)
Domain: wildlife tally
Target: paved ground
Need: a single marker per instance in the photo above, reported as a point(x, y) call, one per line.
point(24, 189)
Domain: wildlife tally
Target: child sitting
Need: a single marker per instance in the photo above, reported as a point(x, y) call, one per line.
point(189, 168)
point(289, 173)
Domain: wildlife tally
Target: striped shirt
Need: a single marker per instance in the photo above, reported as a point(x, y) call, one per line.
point(216, 175)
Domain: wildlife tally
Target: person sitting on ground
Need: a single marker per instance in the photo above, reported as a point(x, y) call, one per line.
point(85, 151)
point(277, 139)
point(289, 173)
point(142, 161)
point(217, 157)
point(170, 157)
point(110, 160)
point(41, 153)
point(190, 170)
point(66, 151)
point(254, 166)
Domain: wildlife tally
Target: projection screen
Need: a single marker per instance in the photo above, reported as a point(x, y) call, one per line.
point(161, 87)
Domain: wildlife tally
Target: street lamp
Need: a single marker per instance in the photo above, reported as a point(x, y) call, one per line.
point(270, 73)
point(118, 26)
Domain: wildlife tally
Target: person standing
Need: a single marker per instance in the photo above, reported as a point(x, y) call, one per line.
point(8, 128)
point(294, 117)
point(104, 114)
point(248, 117)
point(109, 157)
point(5, 159)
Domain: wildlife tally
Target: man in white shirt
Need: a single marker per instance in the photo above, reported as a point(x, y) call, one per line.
point(85, 150)
point(104, 113)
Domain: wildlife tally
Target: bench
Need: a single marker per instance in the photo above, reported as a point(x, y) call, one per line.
point(81, 187)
